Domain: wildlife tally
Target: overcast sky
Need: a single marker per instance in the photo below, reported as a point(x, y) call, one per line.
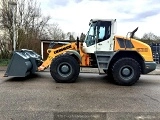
point(74, 15)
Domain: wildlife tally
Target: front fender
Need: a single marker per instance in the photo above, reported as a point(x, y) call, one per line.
point(73, 52)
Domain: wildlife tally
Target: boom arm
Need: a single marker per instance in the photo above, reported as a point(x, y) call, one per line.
point(52, 53)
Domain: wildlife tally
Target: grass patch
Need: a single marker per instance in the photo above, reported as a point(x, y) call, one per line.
point(4, 62)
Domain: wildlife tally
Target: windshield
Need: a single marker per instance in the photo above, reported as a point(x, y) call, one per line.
point(90, 37)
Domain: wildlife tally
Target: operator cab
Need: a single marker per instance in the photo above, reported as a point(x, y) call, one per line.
point(100, 36)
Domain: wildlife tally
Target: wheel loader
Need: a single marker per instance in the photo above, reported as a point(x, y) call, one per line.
point(123, 59)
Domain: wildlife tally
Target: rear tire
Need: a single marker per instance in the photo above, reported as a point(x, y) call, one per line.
point(109, 73)
point(65, 69)
point(126, 71)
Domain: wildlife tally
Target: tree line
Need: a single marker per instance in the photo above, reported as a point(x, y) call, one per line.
point(32, 26)
point(149, 38)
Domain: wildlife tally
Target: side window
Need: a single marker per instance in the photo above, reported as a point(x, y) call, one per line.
point(101, 32)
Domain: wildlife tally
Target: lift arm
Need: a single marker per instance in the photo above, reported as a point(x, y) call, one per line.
point(52, 53)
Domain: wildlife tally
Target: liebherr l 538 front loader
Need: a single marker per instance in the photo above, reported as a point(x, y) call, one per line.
point(123, 59)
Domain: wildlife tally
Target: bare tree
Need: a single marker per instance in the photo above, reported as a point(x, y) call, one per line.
point(4, 53)
point(82, 37)
point(54, 32)
point(29, 23)
point(150, 37)
point(70, 35)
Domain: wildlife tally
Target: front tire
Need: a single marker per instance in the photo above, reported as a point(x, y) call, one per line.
point(65, 69)
point(126, 71)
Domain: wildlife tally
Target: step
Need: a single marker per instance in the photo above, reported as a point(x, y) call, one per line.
point(105, 55)
point(103, 58)
point(103, 62)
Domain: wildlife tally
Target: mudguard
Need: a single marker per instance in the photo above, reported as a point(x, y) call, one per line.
point(75, 53)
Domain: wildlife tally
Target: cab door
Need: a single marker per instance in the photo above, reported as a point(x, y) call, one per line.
point(104, 36)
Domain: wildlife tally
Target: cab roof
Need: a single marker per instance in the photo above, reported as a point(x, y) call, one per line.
point(94, 20)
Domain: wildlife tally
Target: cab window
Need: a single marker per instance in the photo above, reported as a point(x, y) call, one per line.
point(104, 31)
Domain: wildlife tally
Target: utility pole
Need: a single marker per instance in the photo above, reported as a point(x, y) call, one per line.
point(13, 5)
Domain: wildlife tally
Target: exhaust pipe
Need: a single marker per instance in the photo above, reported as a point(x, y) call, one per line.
point(23, 63)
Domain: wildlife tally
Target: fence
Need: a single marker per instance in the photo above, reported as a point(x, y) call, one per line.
point(156, 52)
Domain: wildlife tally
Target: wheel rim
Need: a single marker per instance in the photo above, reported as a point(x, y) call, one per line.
point(126, 72)
point(64, 69)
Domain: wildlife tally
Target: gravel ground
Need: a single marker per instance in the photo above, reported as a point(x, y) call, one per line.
point(3, 68)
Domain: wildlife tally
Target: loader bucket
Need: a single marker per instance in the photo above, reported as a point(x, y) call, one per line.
point(23, 63)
